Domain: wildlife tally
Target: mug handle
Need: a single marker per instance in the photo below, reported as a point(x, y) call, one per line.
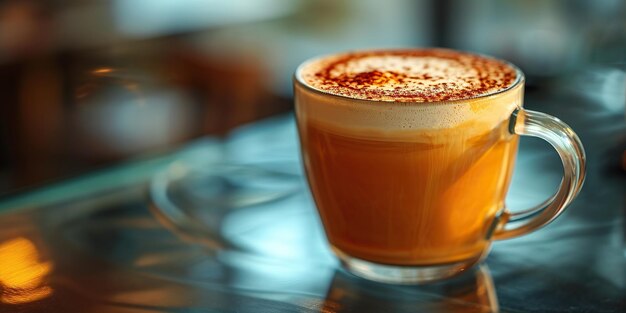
point(570, 149)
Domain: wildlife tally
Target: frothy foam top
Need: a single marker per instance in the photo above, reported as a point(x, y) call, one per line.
point(416, 75)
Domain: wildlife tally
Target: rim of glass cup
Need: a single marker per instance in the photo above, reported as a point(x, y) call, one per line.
point(519, 80)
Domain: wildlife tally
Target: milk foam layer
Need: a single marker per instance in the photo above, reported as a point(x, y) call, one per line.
point(399, 119)
point(418, 75)
point(406, 121)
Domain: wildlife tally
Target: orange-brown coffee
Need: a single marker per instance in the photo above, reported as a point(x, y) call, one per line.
point(408, 153)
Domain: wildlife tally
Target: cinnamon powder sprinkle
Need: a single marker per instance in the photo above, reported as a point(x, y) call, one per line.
point(415, 75)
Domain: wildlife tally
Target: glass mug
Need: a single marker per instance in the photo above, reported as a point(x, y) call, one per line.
point(415, 206)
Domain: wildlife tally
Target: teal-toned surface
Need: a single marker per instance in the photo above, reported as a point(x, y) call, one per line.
point(248, 238)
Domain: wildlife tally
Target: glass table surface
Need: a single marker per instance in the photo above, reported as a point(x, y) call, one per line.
point(123, 240)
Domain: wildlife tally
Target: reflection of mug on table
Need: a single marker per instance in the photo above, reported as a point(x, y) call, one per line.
point(473, 291)
point(409, 155)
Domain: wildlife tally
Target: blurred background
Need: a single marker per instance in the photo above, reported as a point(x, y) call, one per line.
point(85, 84)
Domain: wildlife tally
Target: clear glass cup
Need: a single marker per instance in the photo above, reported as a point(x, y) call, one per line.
point(423, 204)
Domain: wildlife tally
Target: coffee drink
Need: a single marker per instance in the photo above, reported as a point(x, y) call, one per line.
point(409, 155)
point(396, 179)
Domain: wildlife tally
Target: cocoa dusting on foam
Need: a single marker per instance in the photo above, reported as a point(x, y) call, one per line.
point(418, 75)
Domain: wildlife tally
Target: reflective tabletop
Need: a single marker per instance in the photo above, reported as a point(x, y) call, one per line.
point(229, 226)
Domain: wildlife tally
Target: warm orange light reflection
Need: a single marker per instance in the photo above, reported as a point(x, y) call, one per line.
point(101, 71)
point(22, 274)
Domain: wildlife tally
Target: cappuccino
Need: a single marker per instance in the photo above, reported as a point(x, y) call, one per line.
point(397, 179)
